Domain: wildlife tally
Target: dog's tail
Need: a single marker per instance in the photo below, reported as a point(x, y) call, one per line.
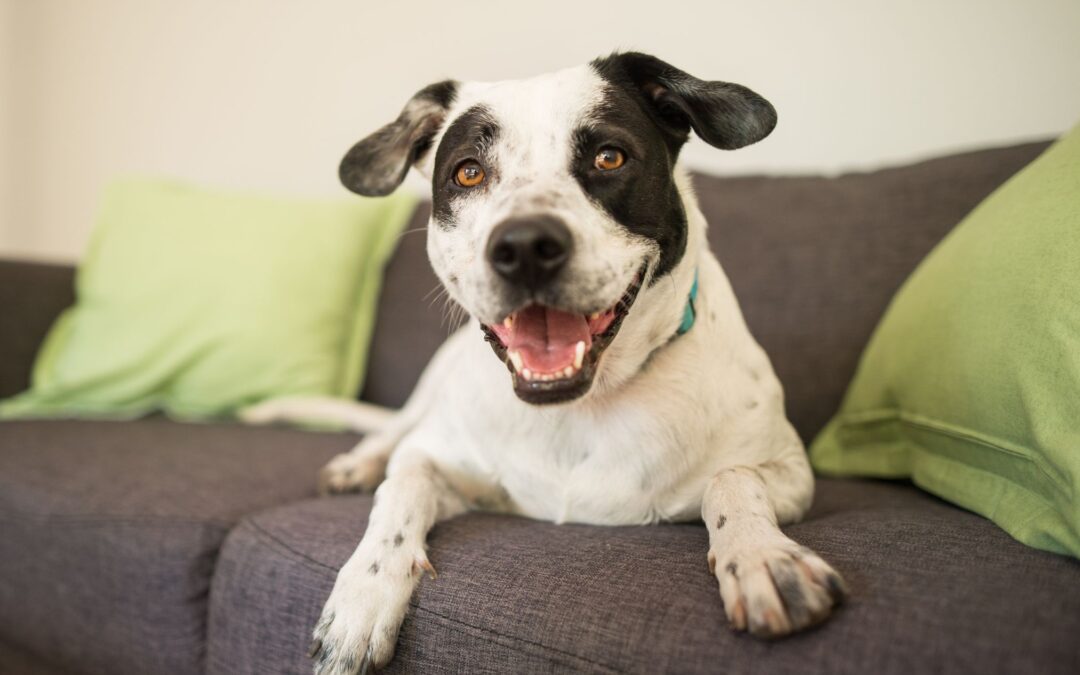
point(319, 411)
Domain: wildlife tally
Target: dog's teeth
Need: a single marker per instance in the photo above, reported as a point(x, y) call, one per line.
point(515, 358)
point(526, 373)
point(568, 371)
point(594, 316)
point(579, 354)
point(508, 322)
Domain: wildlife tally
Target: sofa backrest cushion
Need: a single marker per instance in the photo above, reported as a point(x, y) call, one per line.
point(813, 261)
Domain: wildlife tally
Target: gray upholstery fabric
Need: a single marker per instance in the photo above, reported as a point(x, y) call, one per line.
point(14, 660)
point(109, 531)
point(934, 589)
point(31, 296)
point(412, 319)
point(814, 261)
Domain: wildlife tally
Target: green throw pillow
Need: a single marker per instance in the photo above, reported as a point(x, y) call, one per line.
point(197, 302)
point(970, 385)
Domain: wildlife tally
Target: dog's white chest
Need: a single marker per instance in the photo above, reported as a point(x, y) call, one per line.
point(584, 465)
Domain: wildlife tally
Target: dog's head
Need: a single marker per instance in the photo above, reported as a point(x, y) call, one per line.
point(555, 203)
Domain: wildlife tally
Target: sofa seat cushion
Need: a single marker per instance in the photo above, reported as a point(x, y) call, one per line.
point(109, 532)
point(934, 589)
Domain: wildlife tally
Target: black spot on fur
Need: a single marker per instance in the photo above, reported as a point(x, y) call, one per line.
point(721, 521)
point(326, 654)
point(469, 137)
point(732, 569)
point(350, 663)
point(751, 404)
point(398, 539)
point(374, 569)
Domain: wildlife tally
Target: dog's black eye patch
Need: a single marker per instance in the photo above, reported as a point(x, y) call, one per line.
point(641, 195)
point(469, 137)
point(657, 105)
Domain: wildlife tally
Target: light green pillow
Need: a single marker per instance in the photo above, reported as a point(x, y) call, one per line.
point(197, 302)
point(970, 385)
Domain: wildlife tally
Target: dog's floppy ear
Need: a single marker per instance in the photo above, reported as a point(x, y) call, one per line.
point(375, 166)
point(724, 115)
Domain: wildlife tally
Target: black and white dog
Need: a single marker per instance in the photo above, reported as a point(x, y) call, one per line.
point(606, 375)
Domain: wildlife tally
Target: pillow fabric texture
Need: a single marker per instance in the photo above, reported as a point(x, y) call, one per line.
point(970, 385)
point(197, 302)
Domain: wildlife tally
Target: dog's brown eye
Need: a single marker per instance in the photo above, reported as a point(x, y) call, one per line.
point(469, 174)
point(609, 159)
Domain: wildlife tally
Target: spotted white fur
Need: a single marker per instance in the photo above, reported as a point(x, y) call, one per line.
point(672, 429)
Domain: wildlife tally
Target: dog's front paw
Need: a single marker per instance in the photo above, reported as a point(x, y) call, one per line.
point(359, 624)
point(775, 590)
point(353, 471)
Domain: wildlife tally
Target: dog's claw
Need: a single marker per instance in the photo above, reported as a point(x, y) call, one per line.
point(315, 648)
point(424, 564)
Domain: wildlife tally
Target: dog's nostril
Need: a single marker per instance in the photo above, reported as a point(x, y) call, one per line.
point(503, 254)
point(529, 251)
point(549, 249)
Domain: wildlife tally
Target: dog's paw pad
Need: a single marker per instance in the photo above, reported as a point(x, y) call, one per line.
point(774, 591)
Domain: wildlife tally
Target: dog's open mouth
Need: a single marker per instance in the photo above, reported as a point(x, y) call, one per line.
point(553, 354)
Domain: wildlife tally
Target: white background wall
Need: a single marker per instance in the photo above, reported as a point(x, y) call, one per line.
point(267, 94)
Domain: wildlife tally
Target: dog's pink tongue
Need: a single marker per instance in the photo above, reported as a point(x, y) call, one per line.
point(547, 338)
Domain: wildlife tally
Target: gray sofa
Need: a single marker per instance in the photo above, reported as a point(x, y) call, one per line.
point(157, 547)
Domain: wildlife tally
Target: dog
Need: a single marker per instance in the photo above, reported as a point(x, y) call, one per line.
point(605, 375)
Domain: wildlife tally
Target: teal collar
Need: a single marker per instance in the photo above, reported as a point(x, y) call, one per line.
point(689, 312)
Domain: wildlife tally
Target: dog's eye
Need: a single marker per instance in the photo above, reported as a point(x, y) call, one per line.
point(609, 159)
point(469, 174)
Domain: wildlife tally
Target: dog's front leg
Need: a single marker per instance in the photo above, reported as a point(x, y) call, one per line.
point(360, 622)
point(769, 584)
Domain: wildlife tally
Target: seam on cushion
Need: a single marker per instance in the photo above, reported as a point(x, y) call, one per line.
point(926, 423)
point(272, 539)
point(267, 536)
point(457, 623)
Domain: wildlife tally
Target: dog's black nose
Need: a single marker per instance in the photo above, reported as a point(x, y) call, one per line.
point(530, 251)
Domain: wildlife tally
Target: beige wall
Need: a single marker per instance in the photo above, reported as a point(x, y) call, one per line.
point(268, 94)
point(7, 66)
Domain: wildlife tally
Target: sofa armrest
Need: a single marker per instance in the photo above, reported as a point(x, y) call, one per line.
point(32, 295)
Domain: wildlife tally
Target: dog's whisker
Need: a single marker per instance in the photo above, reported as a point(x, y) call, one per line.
point(412, 231)
point(438, 290)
